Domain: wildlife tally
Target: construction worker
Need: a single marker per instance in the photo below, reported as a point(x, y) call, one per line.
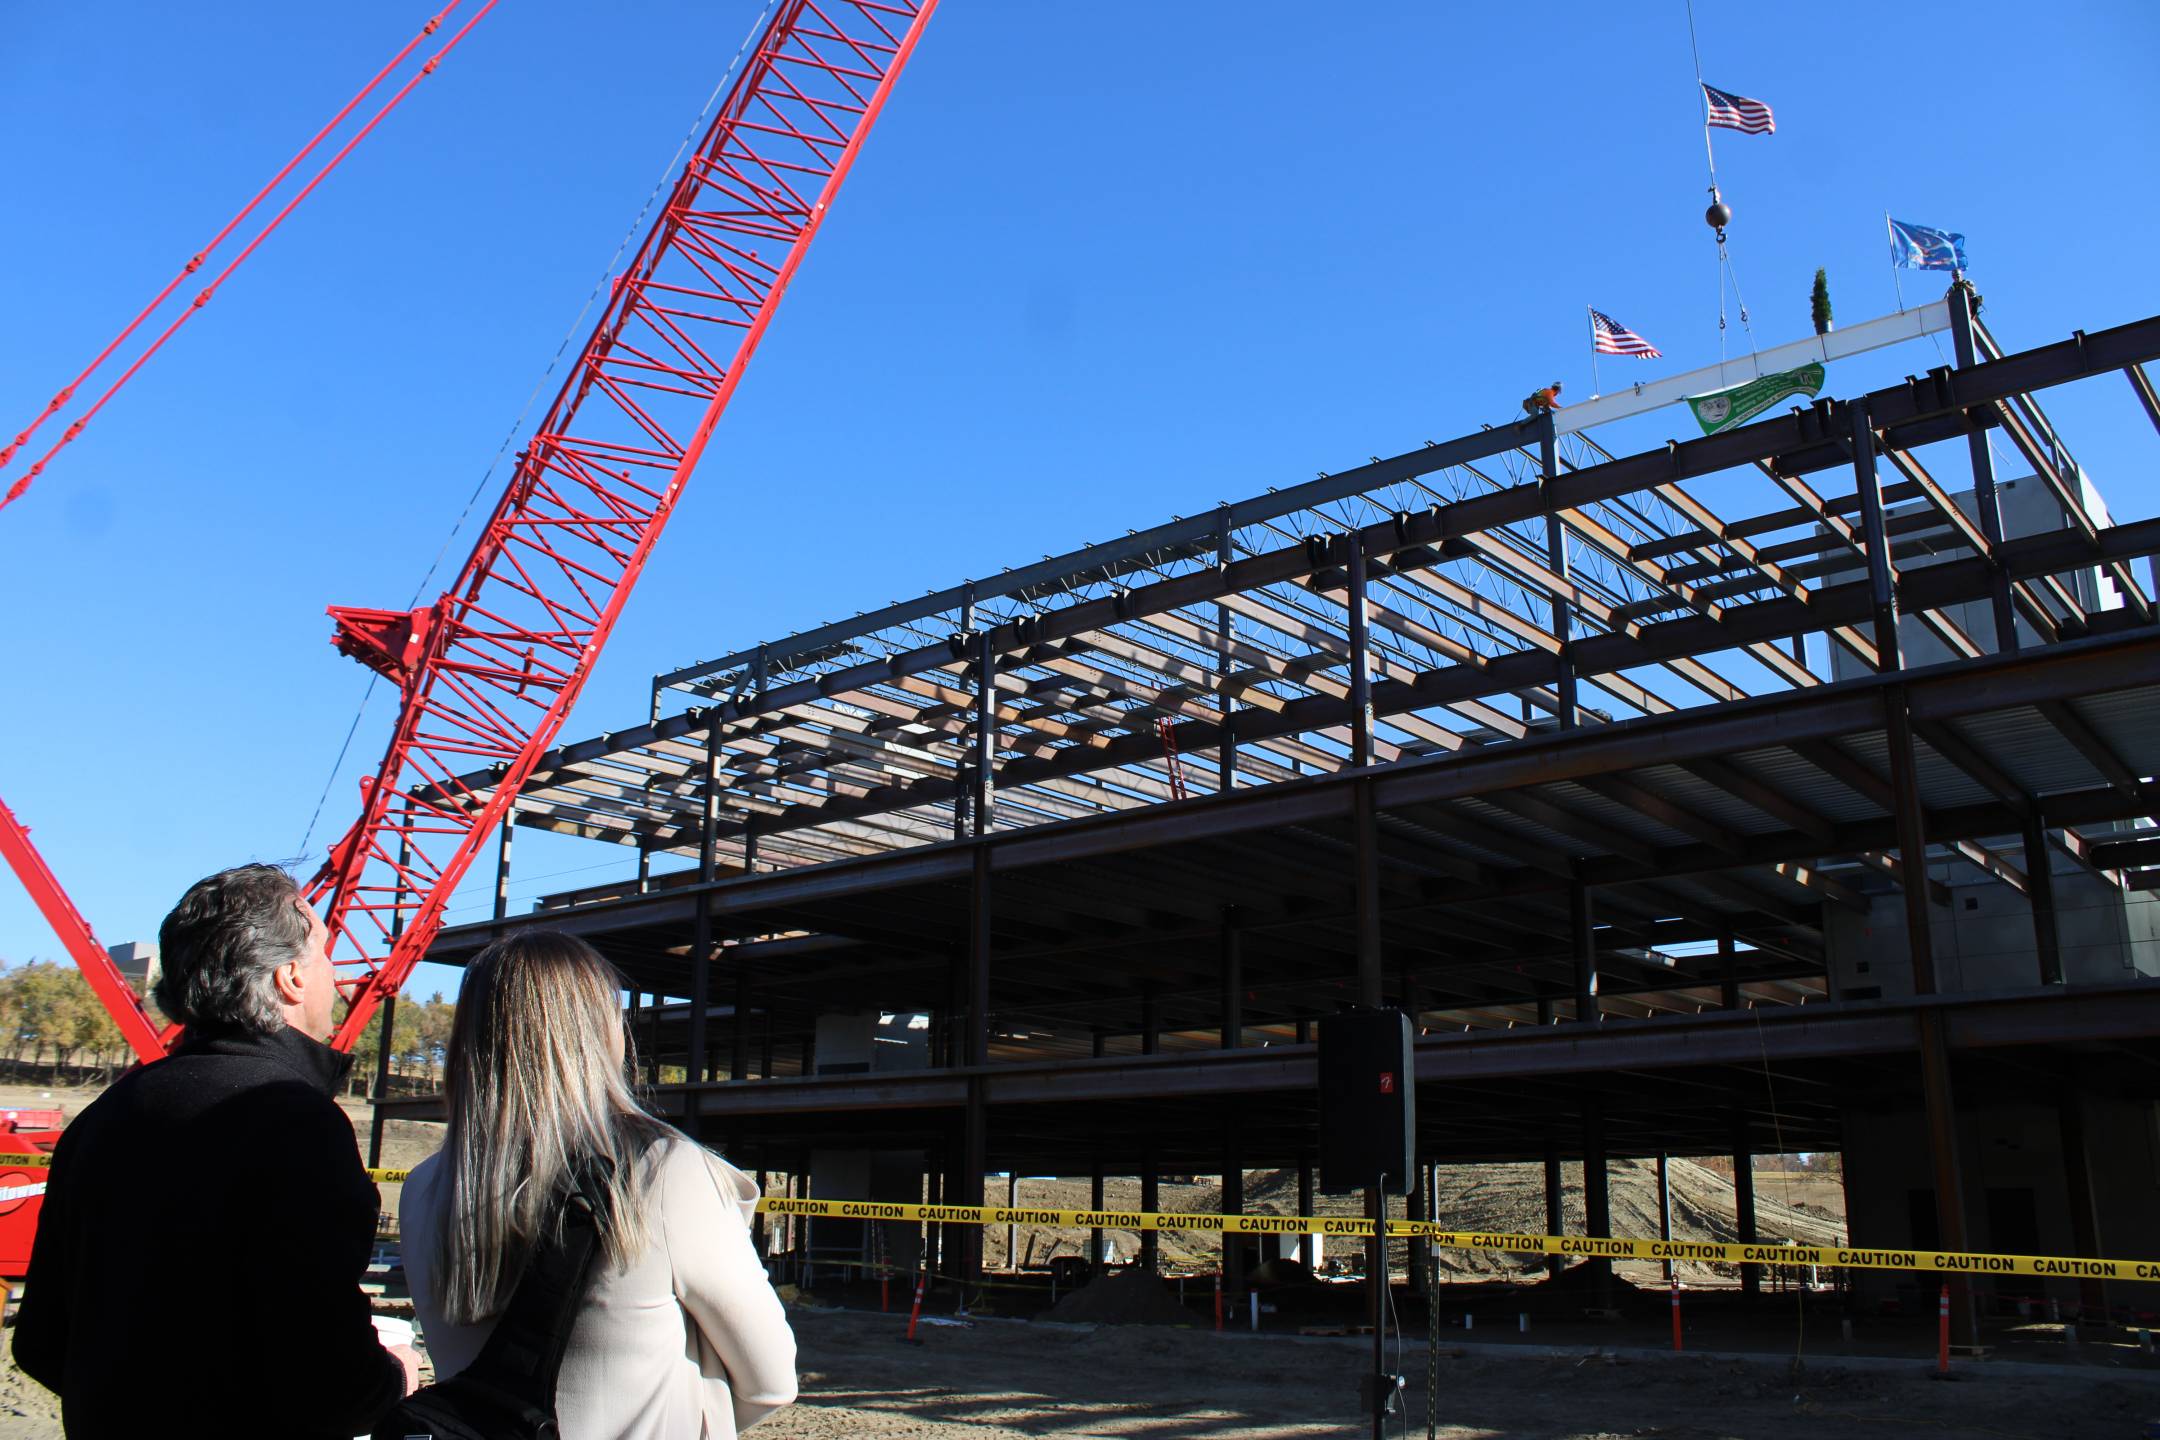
point(1542, 402)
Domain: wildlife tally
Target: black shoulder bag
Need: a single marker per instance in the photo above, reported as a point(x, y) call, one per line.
point(508, 1392)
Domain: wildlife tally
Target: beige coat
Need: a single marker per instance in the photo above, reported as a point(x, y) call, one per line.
point(689, 1343)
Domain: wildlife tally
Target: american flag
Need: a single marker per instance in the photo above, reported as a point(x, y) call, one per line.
point(1613, 338)
point(1737, 112)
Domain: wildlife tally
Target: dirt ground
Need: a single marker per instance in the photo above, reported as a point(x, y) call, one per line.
point(1017, 1381)
point(861, 1379)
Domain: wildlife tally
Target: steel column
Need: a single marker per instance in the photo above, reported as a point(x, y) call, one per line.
point(1365, 823)
point(1096, 1183)
point(502, 872)
point(739, 1034)
point(1555, 1213)
point(1597, 1191)
point(385, 1040)
point(1882, 576)
point(1728, 969)
point(1233, 1200)
point(1582, 944)
point(1664, 1198)
point(1986, 501)
point(1949, 1173)
point(1233, 981)
point(2078, 1188)
point(1743, 1163)
point(1556, 560)
point(977, 1009)
point(974, 1162)
point(1361, 706)
point(1225, 639)
point(1304, 1207)
point(1912, 838)
point(986, 730)
point(698, 1067)
point(1150, 1200)
point(2040, 894)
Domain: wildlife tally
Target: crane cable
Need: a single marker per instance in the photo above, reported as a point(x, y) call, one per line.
point(15, 492)
point(1726, 272)
point(517, 426)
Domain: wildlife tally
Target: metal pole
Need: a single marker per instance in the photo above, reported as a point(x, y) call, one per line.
point(1377, 1281)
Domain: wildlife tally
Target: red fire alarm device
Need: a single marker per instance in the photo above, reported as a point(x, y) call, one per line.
point(1387, 1082)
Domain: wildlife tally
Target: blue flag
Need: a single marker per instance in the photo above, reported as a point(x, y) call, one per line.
point(1923, 247)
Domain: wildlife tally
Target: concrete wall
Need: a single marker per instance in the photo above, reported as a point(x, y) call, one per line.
point(2014, 1164)
point(1984, 939)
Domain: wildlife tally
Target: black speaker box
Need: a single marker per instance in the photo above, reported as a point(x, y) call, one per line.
point(1368, 1101)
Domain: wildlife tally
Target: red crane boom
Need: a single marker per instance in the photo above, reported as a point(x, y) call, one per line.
point(105, 979)
point(490, 670)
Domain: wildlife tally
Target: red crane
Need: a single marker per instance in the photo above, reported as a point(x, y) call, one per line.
point(489, 670)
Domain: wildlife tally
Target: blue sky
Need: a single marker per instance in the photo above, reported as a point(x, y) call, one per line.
point(1098, 265)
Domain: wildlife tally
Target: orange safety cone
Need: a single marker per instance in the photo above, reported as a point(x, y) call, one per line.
point(915, 1313)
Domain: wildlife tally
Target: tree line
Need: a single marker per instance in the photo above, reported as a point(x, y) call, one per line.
point(52, 1022)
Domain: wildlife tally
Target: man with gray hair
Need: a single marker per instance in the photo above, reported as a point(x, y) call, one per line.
point(198, 1262)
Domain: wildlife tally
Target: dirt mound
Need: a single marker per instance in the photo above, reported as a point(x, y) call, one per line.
point(1124, 1297)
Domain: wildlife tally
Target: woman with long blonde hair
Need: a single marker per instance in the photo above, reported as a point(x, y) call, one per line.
point(680, 1334)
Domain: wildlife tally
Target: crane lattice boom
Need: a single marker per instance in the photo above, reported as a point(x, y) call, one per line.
point(490, 670)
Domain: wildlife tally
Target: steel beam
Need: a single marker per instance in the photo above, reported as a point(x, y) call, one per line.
point(1986, 502)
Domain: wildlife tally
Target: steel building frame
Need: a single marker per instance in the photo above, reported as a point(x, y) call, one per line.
point(1516, 732)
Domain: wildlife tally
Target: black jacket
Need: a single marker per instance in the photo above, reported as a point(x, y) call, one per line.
point(198, 1261)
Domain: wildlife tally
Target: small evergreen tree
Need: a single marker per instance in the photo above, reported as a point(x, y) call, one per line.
point(1820, 302)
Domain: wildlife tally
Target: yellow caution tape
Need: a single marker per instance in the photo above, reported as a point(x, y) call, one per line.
point(1588, 1246)
point(385, 1176)
point(38, 1161)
